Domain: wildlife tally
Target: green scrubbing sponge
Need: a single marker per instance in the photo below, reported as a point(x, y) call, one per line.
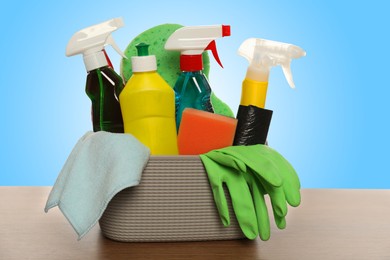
point(168, 62)
point(220, 107)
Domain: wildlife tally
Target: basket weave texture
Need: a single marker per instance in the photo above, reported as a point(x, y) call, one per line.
point(173, 202)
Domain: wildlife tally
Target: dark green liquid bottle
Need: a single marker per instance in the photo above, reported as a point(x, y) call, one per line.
point(103, 88)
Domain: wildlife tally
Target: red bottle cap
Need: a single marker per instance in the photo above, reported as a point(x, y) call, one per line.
point(191, 62)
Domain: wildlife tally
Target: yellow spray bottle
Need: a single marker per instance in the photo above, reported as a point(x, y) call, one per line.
point(148, 105)
point(262, 55)
point(253, 119)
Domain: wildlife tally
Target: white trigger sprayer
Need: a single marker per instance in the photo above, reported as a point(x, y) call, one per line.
point(262, 55)
point(91, 41)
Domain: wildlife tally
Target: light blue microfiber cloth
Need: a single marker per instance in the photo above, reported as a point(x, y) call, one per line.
point(100, 165)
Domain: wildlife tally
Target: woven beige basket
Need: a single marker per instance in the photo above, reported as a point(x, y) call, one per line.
point(173, 202)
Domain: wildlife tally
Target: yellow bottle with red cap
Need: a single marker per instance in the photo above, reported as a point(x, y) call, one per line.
point(148, 106)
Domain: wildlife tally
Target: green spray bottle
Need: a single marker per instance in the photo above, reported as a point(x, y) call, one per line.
point(103, 84)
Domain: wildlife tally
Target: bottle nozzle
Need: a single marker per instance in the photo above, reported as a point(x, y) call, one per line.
point(143, 62)
point(194, 40)
point(142, 49)
point(296, 52)
point(91, 41)
point(225, 30)
point(264, 54)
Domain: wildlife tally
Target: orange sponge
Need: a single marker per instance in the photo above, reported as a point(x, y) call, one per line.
point(201, 132)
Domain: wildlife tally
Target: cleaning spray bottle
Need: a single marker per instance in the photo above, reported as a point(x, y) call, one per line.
point(148, 105)
point(192, 88)
point(103, 83)
point(253, 119)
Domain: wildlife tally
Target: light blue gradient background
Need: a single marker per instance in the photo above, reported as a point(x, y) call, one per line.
point(334, 128)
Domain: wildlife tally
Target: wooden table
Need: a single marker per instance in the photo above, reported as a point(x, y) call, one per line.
point(329, 224)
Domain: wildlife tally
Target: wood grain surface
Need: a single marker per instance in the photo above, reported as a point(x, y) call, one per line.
point(329, 224)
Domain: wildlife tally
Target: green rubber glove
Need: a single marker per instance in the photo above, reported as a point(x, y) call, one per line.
point(239, 193)
point(290, 188)
point(266, 172)
point(260, 206)
point(291, 184)
point(269, 174)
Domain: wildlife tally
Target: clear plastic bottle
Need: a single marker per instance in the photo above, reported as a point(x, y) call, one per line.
point(192, 89)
